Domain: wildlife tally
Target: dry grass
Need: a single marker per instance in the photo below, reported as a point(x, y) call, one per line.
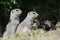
point(36, 35)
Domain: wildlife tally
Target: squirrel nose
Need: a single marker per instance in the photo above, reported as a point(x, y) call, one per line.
point(37, 14)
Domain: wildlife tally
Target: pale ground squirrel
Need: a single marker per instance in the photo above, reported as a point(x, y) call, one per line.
point(27, 23)
point(13, 23)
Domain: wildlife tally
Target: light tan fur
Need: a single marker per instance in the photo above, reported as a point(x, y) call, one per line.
point(27, 23)
point(14, 21)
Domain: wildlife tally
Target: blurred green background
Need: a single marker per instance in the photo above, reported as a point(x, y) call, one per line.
point(47, 9)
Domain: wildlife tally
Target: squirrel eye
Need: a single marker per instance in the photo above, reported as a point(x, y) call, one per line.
point(16, 10)
point(33, 13)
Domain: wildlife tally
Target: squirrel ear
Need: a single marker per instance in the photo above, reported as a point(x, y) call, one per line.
point(12, 12)
point(28, 14)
